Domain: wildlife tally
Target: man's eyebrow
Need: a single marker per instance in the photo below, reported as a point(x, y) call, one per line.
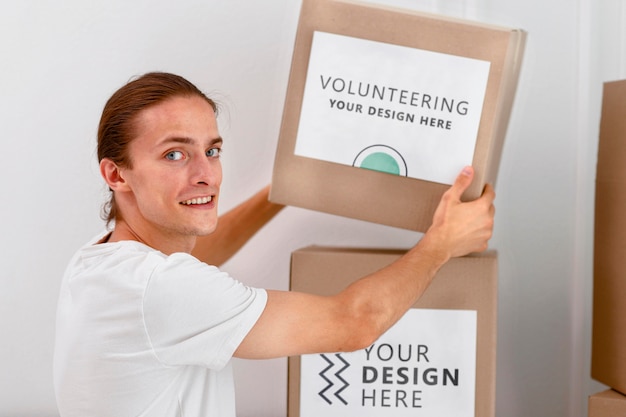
point(190, 141)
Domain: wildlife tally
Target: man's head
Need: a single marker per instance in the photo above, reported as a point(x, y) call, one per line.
point(118, 124)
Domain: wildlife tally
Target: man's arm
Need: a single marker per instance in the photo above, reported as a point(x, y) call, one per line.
point(235, 228)
point(297, 323)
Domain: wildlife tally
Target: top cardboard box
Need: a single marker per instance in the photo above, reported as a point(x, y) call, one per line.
point(385, 106)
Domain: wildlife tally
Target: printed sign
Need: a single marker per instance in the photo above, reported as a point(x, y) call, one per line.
point(425, 365)
point(399, 110)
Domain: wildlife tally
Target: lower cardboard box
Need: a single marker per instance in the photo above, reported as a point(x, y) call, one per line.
point(438, 360)
point(609, 403)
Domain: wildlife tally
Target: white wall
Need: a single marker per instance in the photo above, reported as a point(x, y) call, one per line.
point(60, 61)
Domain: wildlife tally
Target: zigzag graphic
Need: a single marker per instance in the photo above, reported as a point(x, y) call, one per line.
point(338, 375)
point(329, 383)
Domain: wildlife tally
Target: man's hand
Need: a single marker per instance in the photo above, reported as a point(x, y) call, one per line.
point(460, 228)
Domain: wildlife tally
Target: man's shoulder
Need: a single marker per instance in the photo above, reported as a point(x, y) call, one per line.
point(113, 258)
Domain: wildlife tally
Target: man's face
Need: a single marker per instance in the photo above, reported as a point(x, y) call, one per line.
point(174, 182)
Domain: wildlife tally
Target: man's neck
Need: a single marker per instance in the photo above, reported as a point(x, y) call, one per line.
point(165, 244)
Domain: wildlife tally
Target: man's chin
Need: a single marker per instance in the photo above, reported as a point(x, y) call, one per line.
point(206, 231)
point(202, 234)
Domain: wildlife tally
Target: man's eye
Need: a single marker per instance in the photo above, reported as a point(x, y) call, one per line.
point(213, 152)
point(174, 155)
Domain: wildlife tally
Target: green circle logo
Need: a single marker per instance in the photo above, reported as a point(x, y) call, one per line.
point(381, 158)
point(382, 162)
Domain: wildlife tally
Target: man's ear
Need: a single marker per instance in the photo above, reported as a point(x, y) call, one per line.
point(112, 174)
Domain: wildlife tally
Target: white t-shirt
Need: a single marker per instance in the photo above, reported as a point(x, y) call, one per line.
point(140, 333)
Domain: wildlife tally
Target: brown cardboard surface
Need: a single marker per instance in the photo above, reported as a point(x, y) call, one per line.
point(612, 146)
point(608, 361)
point(398, 201)
point(468, 283)
point(607, 403)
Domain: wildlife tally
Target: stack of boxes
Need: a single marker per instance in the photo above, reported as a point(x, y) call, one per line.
point(383, 109)
point(608, 361)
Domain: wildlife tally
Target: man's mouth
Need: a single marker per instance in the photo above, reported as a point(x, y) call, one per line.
point(194, 201)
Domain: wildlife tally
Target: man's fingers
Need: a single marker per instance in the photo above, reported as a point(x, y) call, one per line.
point(489, 192)
point(463, 180)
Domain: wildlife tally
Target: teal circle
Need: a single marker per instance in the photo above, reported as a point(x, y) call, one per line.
point(379, 161)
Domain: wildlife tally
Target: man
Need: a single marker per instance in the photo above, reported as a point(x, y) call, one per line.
point(146, 327)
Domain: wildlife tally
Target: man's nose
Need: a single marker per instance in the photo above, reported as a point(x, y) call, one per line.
point(206, 171)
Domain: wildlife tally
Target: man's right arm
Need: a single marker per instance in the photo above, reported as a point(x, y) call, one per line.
point(297, 323)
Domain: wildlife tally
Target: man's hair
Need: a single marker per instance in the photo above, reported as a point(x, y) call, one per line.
point(117, 123)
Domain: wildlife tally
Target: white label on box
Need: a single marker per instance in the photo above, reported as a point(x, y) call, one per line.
point(425, 365)
point(391, 108)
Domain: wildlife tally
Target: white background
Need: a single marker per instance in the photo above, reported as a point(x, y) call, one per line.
point(60, 61)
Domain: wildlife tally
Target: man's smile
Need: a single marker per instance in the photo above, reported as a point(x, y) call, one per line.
point(200, 200)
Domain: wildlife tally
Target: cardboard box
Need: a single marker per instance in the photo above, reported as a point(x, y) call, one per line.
point(608, 361)
point(412, 97)
point(607, 403)
point(464, 286)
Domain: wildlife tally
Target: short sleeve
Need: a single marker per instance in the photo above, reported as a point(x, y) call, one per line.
point(195, 314)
